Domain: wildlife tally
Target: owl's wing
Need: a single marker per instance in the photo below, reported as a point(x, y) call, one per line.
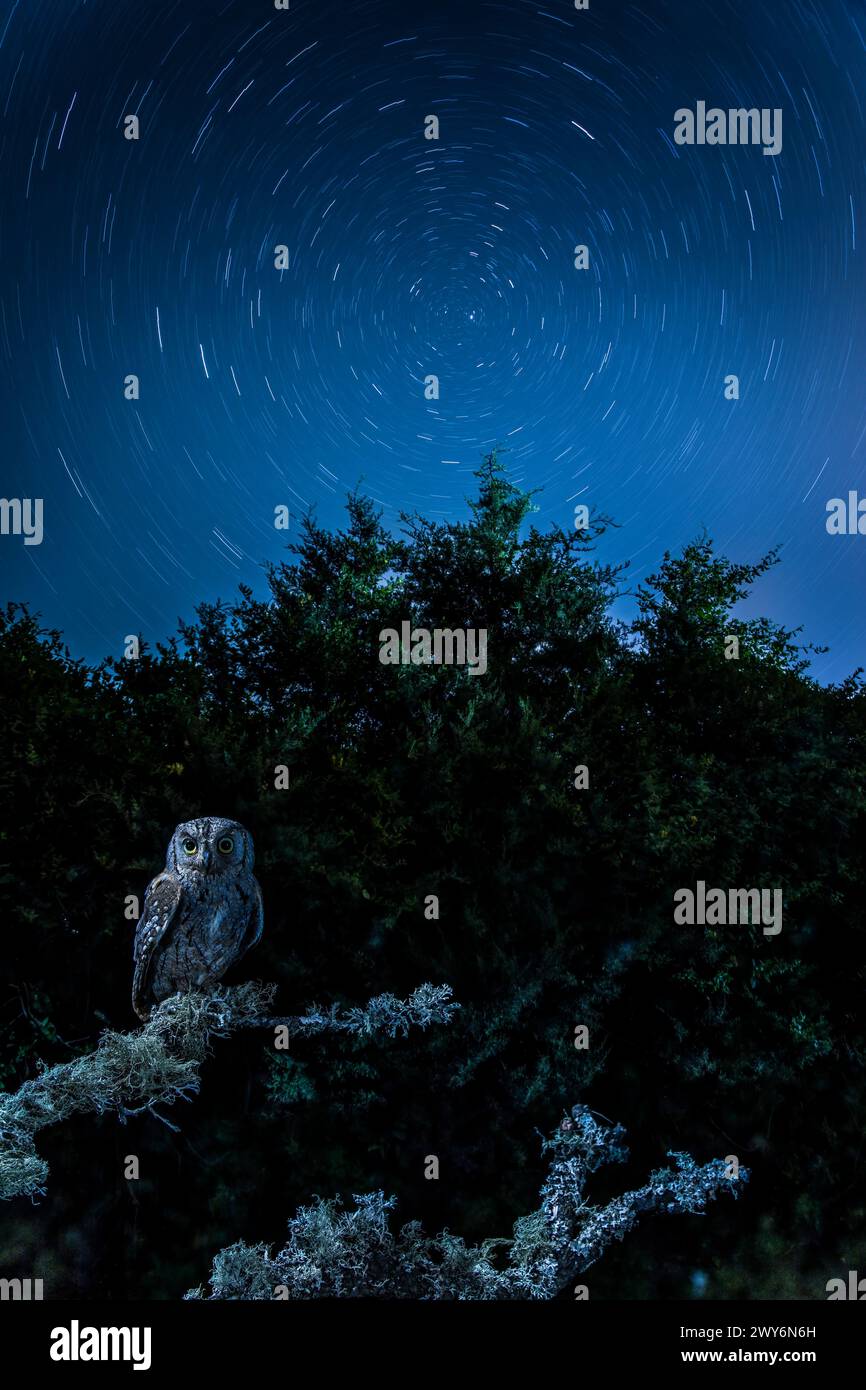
point(161, 901)
point(255, 919)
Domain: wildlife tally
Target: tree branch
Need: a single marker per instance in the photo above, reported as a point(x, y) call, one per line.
point(333, 1252)
point(383, 1014)
point(159, 1063)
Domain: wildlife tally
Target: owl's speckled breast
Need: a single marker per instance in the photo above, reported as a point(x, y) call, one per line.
point(207, 937)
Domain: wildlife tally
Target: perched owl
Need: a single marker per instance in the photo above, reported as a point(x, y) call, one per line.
point(200, 915)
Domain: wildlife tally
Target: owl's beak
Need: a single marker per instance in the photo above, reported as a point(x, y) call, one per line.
point(205, 858)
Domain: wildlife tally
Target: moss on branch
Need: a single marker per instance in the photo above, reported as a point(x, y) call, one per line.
point(159, 1063)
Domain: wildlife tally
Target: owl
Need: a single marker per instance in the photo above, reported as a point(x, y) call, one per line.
point(200, 915)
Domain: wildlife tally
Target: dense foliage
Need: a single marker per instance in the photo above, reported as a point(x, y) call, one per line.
point(555, 904)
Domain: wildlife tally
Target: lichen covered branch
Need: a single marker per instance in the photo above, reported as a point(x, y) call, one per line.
point(334, 1252)
point(159, 1063)
point(385, 1014)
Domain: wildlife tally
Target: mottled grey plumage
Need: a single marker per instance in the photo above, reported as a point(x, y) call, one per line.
point(200, 915)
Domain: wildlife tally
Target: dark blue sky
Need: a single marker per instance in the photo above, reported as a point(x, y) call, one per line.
point(409, 257)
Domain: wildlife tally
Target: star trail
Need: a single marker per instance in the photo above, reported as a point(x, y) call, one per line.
point(420, 250)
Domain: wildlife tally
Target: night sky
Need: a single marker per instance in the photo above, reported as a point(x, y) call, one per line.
point(410, 257)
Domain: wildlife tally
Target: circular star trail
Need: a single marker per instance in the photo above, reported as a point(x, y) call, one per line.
point(427, 305)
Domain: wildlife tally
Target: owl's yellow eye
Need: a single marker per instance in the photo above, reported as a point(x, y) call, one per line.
point(226, 844)
point(189, 846)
